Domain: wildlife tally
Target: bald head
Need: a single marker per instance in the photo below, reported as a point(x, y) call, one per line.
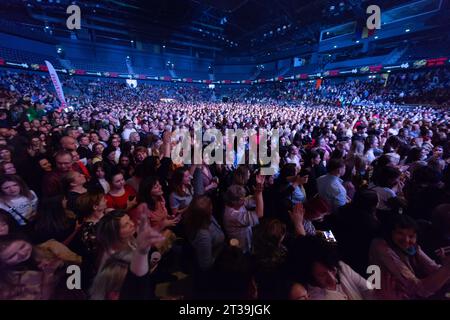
point(68, 143)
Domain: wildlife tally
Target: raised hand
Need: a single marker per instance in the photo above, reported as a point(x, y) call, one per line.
point(297, 214)
point(147, 236)
point(167, 136)
point(260, 179)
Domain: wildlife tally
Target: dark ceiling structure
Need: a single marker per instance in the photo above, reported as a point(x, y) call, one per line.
point(224, 27)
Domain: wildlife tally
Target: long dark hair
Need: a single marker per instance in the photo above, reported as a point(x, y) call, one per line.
point(145, 189)
point(95, 167)
point(127, 171)
point(177, 181)
point(106, 152)
point(309, 250)
point(52, 217)
point(126, 149)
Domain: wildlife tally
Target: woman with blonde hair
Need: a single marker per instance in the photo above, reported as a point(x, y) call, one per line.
point(109, 280)
point(115, 233)
point(127, 274)
point(354, 157)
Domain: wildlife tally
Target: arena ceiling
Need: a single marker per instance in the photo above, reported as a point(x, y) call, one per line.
point(230, 27)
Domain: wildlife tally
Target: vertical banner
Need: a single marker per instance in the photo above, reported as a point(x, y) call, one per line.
point(318, 83)
point(57, 85)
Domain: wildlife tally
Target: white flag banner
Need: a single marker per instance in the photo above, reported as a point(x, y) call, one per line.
point(56, 84)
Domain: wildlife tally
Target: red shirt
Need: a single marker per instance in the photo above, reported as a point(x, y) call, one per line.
point(120, 202)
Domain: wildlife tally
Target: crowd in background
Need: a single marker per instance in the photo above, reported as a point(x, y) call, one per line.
point(415, 87)
point(363, 179)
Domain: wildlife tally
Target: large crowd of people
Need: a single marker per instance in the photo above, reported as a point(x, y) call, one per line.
point(417, 87)
point(362, 180)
